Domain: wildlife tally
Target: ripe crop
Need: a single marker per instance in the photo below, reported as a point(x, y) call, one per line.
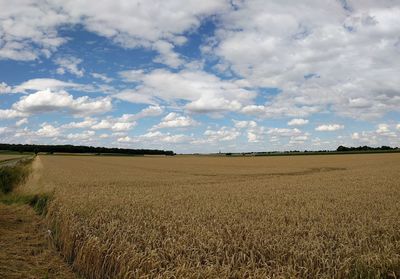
point(334, 216)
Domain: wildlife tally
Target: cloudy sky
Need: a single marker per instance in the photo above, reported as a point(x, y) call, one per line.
point(201, 76)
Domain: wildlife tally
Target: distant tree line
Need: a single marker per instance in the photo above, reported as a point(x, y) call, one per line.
point(342, 148)
point(80, 149)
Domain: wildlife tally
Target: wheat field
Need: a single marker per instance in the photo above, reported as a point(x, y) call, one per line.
point(5, 157)
point(335, 216)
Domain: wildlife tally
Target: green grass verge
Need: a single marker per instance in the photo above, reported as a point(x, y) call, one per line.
point(39, 202)
point(11, 176)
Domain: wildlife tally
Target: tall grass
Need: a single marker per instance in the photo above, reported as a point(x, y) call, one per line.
point(11, 176)
point(14, 175)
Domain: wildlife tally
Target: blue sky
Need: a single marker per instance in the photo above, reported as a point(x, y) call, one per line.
point(200, 76)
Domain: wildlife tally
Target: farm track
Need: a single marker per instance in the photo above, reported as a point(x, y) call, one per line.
point(25, 246)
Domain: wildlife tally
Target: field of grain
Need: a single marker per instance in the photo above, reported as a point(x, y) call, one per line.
point(334, 216)
point(5, 157)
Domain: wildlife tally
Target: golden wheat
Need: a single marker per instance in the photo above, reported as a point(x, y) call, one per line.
point(334, 216)
point(5, 157)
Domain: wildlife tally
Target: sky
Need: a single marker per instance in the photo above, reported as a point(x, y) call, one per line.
point(201, 76)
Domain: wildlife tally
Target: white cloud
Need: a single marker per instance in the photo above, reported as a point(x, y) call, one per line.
point(298, 140)
point(175, 120)
point(48, 101)
point(329, 127)
point(245, 124)
point(11, 113)
point(134, 23)
point(30, 28)
point(4, 88)
point(84, 136)
point(69, 64)
point(114, 125)
point(284, 132)
point(21, 122)
point(156, 137)
point(223, 134)
point(86, 123)
point(279, 108)
point(298, 122)
point(122, 126)
point(126, 121)
point(135, 97)
point(254, 132)
point(48, 131)
point(398, 127)
point(294, 137)
point(102, 77)
point(150, 111)
point(132, 75)
point(355, 136)
point(167, 54)
point(383, 128)
point(381, 136)
point(203, 92)
point(40, 84)
point(306, 52)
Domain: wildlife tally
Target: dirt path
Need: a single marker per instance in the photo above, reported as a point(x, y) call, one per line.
point(25, 250)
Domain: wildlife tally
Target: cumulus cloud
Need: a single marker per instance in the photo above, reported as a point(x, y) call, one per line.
point(293, 137)
point(11, 113)
point(83, 136)
point(30, 28)
point(48, 101)
point(202, 92)
point(156, 137)
point(175, 120)
point(150, 111)
point(222, 134)
point(244, 124)
point(255, 133)
point(86, 123)
point(280, 107)
point(39, 84)
point(298, 140)
point(305, 52)
point(21, 122)
point(383, 135)
point(298, 122)
point(48, 131)
point(69, 64)
point(102, 77)
point(116, 124)
point(284, 132)
point(383, 128)
point(4, 88)
point(355, 136)
point(329, 127)
point(167, 54)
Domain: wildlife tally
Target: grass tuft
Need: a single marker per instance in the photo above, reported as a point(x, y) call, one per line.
point(11, 176)
point(38, 202)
